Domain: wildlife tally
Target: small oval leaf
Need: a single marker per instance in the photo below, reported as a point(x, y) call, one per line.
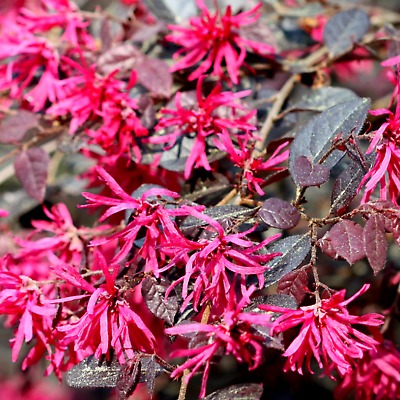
point(31, 168)
point(247, 391)
point(344, 29)
point(315, 139)
point(154, 75)
point(153, 292)
point(375, 243)
point(309, 174)
point(346, 185)
point(347, 240)
point(294, 250)
point(279, 214)
point(294, 284)
point(14, 127)
point(128, 378)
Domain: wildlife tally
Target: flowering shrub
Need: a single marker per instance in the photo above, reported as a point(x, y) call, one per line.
point(185, 218)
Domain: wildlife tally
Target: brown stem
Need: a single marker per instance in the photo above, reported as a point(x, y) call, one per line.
point(183, 388)
point(229, 196)
point(206, 313)
point(272, 115)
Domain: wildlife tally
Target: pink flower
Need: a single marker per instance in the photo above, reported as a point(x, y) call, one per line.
point(23, 302)
point(203, 121)
point(120, 123)
point(376, 376)
point(89, 95)
point(386, 141)
point(3, 213)
point(26, 54)
point(109, 321)
point(326, 330)
point(232, 335)
point(146, 214)
point(63, 14)
point(130, 176)
point(67, 239)
point(216, 38)
point(250, 166)
point(208, 260)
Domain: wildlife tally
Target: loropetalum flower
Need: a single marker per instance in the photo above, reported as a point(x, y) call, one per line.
point(130, 176)
point(250, 166)
point(60, 13)
point(203, 121)
point(385, 142)
point(376, 376)
point(68, 240)
point(87, 95)
point(109, 322)
point(327, 333)
point(25, 55)
point(233, 335)
point(120, 123)
point(24, 304)
point(209, 261)
point(147, 214)
point(216, 38)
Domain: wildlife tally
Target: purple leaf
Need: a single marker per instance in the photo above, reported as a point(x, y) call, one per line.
point(94, 373)
point(123, 57)
point(154, 75)
point(128, 378)
point(106, 35)
point(308, 174)
point(148, 112)
point(315, 139)
point(246, 391)
point(279, 214)
point(347, 240)
point(325, 244)
point(319, 99)
point(152, 370)
point(294, 284)
point(31, 168)
point(153, 292)
point(344, 29)
point(294, 250)
point(146, 32)
point(346, 185)
point(375, 243)
point(14, 127)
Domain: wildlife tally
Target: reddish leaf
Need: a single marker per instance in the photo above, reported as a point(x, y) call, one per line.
point(325, 244)
point(123, 57)
point(294, 284)
point(309, 174)
point(345, 28)
point(279, 214)
point(128, 378)
point(346, 186)
point(94, 373)
point(375, 243)
point(31, 168)
point(14, 127)
point(106, 35)
point(347, 240)
point(153, 292)
point(246, 391)
point(153, 74)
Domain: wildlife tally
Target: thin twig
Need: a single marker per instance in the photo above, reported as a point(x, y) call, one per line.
point(275, 110)
point(229, 196)
point(183, 388)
